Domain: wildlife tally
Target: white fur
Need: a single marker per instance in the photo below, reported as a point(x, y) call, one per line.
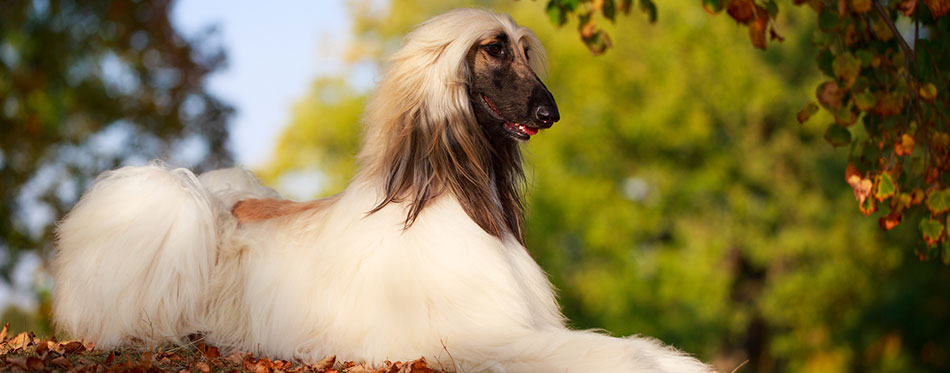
point(150, 255)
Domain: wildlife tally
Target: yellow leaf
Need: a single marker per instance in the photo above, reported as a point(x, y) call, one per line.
point(928, 91)
point(861, 6)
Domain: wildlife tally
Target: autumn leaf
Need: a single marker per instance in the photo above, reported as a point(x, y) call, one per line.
point(940, 140)
point(846, 68)
point(62, 362)
point(325, 364)
point(712, 6)
point(938, 201)
point(905, 146)
point(885, 187)
point(30, 363)
point(845, 116)
point(868, 206)
point(888, 103)
point(743, 11)
point(860, 184)
point(938, 7)
point(889, 221)
point(837, 135)
point(810, 109)
point(907, 7)
point(864, 101)
point(931, 229)
point(72, 347)
point(861, 6)
point(757, 30)
point(829, 95)
point(928, 91)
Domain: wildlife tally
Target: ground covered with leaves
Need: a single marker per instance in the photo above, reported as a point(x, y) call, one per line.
point(26, 352)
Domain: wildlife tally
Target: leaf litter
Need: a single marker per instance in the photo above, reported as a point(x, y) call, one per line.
point(25, 352)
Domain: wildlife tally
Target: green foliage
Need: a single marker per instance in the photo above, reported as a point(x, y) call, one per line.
point(76, 74)
point(897, 88)
point(671, 200)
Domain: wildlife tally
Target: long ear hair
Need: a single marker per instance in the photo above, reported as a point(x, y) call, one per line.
point(422, 138)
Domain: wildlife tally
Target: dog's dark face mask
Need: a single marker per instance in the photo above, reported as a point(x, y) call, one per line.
point(509, 99)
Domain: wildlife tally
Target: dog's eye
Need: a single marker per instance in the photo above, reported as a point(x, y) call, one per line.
point(495, 49)
point(526, 55)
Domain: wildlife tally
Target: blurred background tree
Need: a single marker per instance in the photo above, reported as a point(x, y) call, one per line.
point(884, 64)
point(679, 198)
point(86, 86)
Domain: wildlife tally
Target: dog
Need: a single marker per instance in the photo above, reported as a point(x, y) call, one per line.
point(421, 255)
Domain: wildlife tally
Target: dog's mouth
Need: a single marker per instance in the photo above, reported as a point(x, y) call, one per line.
point(517, 130)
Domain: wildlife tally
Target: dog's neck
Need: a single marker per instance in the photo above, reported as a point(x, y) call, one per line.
point(419, 163)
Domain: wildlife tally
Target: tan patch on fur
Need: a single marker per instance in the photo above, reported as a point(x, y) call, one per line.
point(251, 210)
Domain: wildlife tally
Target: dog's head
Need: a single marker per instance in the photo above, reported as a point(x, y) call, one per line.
point(449, 113)
point(507, 96)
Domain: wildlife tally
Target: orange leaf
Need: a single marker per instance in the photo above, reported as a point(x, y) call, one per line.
point(889, 221)
point(326, 363)
point(928, 91)
point(742, 11)
point(203, 367)
point(757, 31)
point(905, 146)
point(938, 7)
point(806, 113)
point(907, 7)
point(861, 6)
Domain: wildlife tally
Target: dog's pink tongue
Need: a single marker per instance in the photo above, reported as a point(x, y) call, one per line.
point(530, 131)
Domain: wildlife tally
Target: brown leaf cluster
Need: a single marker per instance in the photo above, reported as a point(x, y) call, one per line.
point(26, 353)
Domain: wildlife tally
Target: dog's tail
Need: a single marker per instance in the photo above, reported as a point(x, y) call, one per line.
point(135, 255)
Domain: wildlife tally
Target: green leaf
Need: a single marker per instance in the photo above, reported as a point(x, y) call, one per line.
point(931, 229)
point(938, 201)
point(556, 14)
point(846, 68)
point(837, 135)
point(609, 9)
point(648, 7)
point(885, 187)
point(864, 101)
point(713, 6)
point(828, 19)
point(772, 7)
point(825, 61)
point(810, 109)
point(865, 56)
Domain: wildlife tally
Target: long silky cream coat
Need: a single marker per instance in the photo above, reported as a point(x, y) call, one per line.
point(151, 254)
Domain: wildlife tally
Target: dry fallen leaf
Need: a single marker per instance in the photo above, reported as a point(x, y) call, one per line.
point(72, 347)
point(326, 363)
point(203, 367)
point(62, 362)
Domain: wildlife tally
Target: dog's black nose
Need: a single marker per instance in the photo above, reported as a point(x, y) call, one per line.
point(547, 115)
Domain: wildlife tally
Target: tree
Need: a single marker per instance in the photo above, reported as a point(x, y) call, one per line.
point(87, 86)
point(897, 90)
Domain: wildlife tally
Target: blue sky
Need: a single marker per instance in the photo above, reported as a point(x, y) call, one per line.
point(274, 53)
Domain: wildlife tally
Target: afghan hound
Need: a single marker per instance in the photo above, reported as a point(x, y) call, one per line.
point(421, 255)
